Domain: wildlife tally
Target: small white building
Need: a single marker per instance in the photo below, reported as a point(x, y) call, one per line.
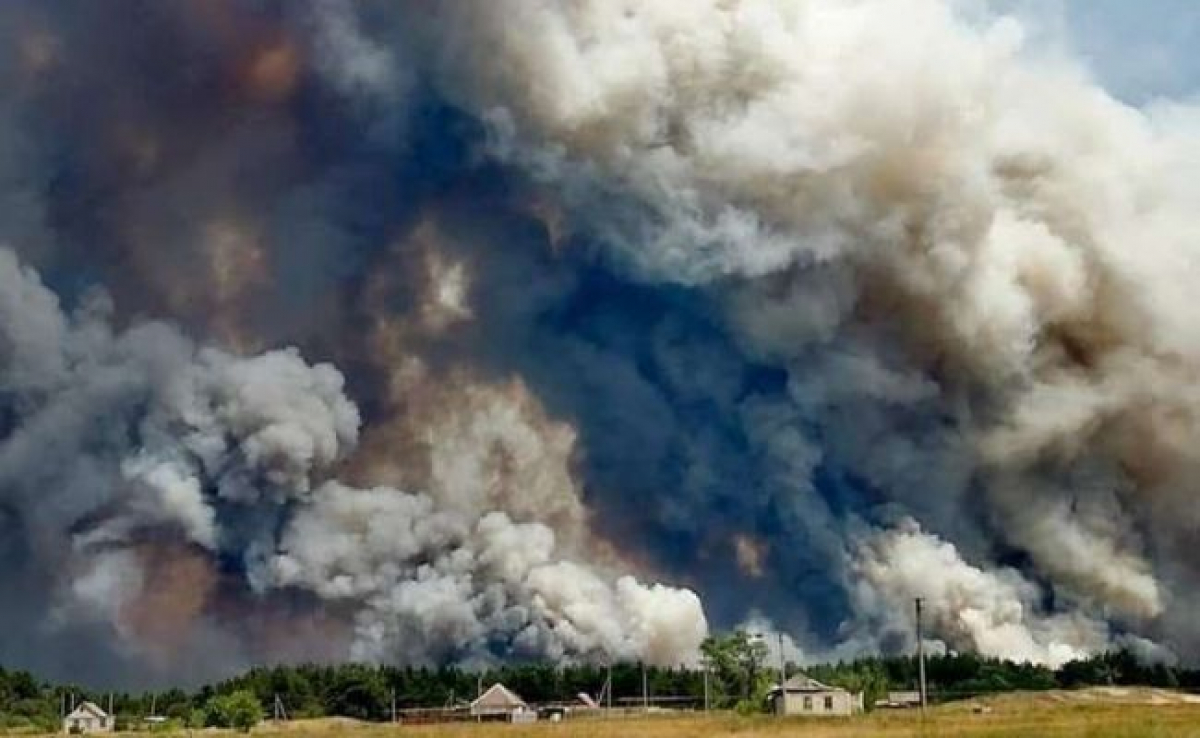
point(802, 695)
point(498, 702)
point(88, 718)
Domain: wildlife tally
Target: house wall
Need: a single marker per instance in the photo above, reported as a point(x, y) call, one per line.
point(87, 724)
point(817, 703)
point(904, 697)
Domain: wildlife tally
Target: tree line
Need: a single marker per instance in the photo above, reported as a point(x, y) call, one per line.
point(737, 676)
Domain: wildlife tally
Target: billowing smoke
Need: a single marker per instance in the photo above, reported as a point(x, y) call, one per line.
point(973, 269)
point(809, 308)
point(127, 448)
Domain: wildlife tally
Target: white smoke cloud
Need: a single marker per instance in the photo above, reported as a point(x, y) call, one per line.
point(443, 584)
point(994, 612)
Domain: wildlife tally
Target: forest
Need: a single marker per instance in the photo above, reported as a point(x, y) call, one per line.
point(735, 667)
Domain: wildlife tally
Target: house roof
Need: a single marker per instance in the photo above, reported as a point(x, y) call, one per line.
point(805, 683)
point(498, 697)
point(87, 710)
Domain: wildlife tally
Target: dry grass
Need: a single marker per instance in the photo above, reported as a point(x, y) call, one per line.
point(1095, 713)
point(1091, 713)
point(1168, 722)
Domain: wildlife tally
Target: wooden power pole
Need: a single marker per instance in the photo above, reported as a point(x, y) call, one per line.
point(609, 692)
point(645, 690)
point(782, 662)
point(921, 658)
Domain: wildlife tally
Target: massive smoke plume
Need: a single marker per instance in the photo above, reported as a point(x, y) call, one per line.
point(480, 315)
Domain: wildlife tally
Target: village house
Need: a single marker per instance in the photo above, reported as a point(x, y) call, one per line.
point(498, 702)
point(87, 718)
point(801, 695)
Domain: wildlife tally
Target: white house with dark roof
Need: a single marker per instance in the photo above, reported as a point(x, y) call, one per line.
point(803, 695)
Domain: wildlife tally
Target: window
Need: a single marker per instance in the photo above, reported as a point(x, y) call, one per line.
point(829, 702)
point(807, 702)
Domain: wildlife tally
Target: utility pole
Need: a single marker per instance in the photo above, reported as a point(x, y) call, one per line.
point(393, 704)
point(608, 693)
point(921, 657)
point(782, 662)
point(706, 703)
point(645, 690)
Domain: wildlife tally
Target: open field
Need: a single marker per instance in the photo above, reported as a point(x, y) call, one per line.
point(1091, 713)
point(1098, 713)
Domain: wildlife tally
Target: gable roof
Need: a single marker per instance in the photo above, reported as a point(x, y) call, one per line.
point(498, 697)
point(805, 683)
point(87, 710)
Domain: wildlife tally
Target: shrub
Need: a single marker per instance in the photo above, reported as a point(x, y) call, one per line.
point(197, 718)
point(240, 710)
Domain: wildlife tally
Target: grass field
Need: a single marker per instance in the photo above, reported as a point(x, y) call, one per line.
point(1098, 713)
point(1090, 713)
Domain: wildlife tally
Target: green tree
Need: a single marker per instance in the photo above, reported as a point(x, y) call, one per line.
point(735, 661)
point(240, 709)
point(359, 692)
point(197, 718)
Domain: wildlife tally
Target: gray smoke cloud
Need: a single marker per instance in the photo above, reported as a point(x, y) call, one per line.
point(804, 308)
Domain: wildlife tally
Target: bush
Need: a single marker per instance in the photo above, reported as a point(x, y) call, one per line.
point(197, 718)
point(240, 710)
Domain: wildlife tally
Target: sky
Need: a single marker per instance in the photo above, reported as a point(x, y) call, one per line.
point(1139, 51)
